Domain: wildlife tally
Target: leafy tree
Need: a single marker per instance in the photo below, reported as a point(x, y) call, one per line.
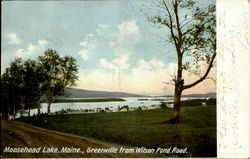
point(59, 72)
point(25, 83)
point(21, 88)
point(33, 77)
point(191, 30)
point(7, 98)
point(13, 84)
point(211, 101)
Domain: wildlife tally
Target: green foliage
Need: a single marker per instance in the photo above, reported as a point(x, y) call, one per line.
point(25, 82)
point(198, 102)
point(193, 102)
point(211, 101)
point(124, 107)
point(21, 83)
point(59, 73)
point(192, 31)
point(163, 105)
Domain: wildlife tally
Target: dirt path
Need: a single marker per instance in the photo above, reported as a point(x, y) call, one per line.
point(17, 134)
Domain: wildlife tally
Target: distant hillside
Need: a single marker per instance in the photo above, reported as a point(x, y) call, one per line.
point(207, 95)
point(81, 93)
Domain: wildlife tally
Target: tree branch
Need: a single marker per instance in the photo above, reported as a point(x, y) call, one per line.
point(191, 29)
point(178, 23)
point(211, 79)
point(169, 83)
point(171, 23)
point(204, 76)
point(169, 41)
point(187, 21)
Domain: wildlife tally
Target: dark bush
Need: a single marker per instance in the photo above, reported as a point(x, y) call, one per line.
point(211, 101)
point(163, 105)
point(193, 102)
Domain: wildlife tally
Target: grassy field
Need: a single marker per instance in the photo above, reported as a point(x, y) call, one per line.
point(197, 130)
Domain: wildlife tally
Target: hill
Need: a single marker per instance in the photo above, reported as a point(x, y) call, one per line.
point(81, 93)
point(20, 135)
point(206, 95)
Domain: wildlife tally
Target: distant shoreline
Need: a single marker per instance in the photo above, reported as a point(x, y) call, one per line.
point(82, 93)
point(89, 100)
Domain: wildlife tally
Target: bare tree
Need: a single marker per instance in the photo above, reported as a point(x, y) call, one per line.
point(192, 31)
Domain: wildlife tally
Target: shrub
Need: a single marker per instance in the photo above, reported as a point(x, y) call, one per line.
point(163, 105)
point(193, 102)
point(211, 101)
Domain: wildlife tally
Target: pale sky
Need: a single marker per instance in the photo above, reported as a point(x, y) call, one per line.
point(116, 48)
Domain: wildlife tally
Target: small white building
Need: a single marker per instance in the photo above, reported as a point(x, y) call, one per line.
point(132, 108)
point(204, 104)
point(123, 110)
point(144, 108)
point(155, 107)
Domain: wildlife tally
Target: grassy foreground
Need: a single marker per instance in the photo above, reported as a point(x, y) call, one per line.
point(20, 135)
point(197, 130)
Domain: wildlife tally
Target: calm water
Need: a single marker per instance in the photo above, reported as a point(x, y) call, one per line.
point(130, 101)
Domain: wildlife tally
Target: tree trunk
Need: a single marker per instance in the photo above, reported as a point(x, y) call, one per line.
point(14, 107)
point(49, 104)
point(38, 108)
point(8, 113)
point(22, 107)
point(29, 112)
point(38, 111)
point(177, 106)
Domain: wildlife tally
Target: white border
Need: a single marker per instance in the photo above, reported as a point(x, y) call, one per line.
point(233, 77)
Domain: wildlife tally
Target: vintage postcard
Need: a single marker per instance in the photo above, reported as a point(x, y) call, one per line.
point(110, 78)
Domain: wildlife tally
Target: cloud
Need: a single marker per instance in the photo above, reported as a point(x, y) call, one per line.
point(102, 25)
point(32, 50)
point(86, 42)
point(98, 31)
point(42, 42)
point(117, 64)
point(150, 65)
point(87, 45)
point(128, 28)
point(13, 39)
point(140, 79)
point(148, 76)
point(106, 64)
point(125, 38)
point(84, 53)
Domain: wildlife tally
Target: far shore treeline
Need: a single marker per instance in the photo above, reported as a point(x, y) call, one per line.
point(25, 83)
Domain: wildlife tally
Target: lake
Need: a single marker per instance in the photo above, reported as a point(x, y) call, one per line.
point(129, 101)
